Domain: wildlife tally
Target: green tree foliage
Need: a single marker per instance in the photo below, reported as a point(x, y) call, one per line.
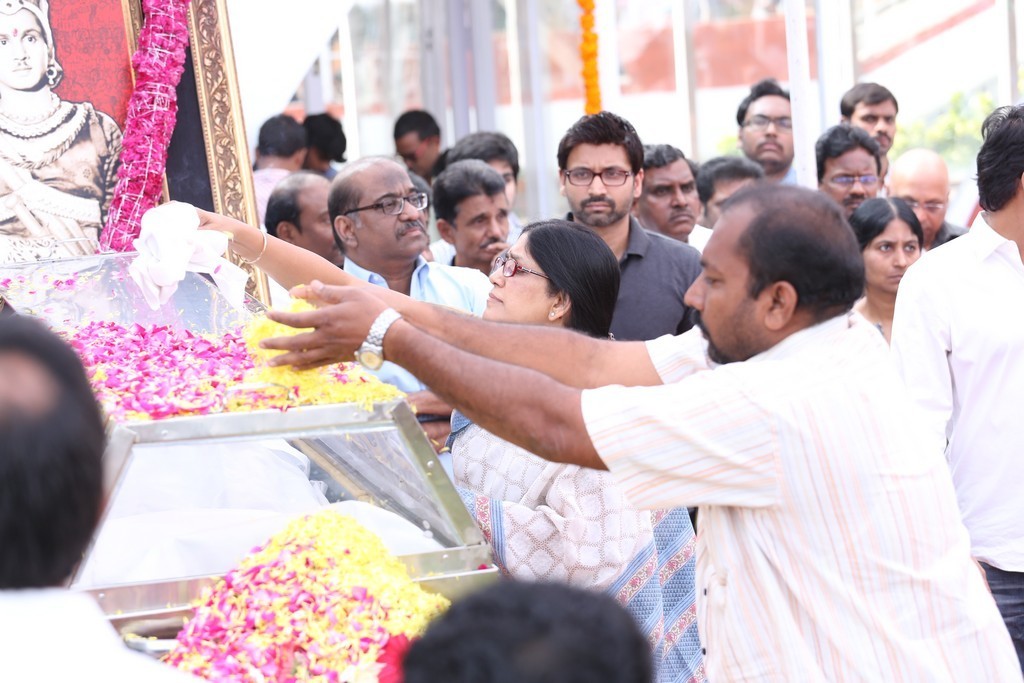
point(954, 133)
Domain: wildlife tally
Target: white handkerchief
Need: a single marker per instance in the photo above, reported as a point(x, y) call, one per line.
point(171, 244)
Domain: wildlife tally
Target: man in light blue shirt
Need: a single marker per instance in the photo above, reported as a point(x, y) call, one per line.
point(379, 222)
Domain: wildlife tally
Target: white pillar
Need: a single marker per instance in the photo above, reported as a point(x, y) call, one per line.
point(800, 93)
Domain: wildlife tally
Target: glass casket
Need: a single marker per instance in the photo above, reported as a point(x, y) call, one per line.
point(188, 497)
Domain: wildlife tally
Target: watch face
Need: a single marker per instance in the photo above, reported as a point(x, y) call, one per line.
point(369, 358)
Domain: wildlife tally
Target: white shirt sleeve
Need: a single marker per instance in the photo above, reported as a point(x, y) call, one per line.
point(921, 346)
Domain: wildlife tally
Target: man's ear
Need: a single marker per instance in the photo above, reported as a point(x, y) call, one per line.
point(638, 184)
point(561, 181)
point(346, 229)
point(781, 302)
point(447, 230)
point(288, 231)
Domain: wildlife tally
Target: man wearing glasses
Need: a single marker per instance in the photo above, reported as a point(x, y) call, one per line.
point(849, 166)
point(600, 166)
point(380, 226)
point(920, 178)
point(766, 130)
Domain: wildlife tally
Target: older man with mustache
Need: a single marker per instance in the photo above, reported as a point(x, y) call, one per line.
point(669, 202)
point(600, 162)
point(379, 222)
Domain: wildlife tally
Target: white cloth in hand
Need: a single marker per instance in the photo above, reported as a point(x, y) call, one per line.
point(170, 245)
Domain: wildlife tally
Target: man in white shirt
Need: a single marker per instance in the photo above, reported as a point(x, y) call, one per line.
point(51, 470)
point(958, 340)
point(831, 546)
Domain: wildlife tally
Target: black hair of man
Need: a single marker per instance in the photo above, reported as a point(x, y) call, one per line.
point(1000, 159)
point(800, 236)
point(281, 136)
point(660, 156)
point(603, 128)
point(763, 88)
point(283, 205)
point(838, 140)
point(486, 146)
point(580, 265)
point(460, 181)
point(871, 218)
point(416, 121)
point(723, 170)
point(326, 135)
point(514, 632)
point(867, 93)
point(51, 464)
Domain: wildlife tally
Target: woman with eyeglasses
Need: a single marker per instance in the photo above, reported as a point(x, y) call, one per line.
point(891, 239)
point(545, 521)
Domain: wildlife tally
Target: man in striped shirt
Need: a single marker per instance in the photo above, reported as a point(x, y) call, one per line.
point(830, 546)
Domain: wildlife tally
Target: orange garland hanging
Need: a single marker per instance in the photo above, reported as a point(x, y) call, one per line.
point(588, 53)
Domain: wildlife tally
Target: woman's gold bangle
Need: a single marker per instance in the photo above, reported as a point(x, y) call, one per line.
point(259, 255)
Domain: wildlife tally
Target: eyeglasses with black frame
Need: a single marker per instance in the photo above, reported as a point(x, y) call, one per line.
point(392, 206)
point(611, 177)
point(509, 266)
point(761, 122)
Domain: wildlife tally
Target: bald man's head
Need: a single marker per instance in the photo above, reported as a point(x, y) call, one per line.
point(920, 177)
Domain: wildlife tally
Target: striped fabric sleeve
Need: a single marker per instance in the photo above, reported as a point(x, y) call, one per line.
point(678, 356)
point(701, 441)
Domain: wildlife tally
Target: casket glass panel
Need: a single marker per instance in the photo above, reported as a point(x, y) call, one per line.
point(189, 496)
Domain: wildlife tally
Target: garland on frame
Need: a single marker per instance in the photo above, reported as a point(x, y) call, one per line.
point(588, 53)
point(152, 112)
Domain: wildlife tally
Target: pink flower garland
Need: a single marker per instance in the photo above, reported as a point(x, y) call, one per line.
point(152, 111)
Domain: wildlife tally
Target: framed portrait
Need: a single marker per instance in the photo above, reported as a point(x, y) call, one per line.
point(65, 83)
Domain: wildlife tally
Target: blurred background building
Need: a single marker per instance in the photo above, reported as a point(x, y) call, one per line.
point(676, 68)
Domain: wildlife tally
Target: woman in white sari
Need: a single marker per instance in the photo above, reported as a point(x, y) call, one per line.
point(58, 159)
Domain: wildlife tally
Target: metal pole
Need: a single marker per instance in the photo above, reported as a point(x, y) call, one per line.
point(481, 30)
point(800, 93)
point(534, 121)
point(686, 77)
point(457, 58)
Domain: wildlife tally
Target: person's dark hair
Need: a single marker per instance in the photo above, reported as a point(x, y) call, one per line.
point(763, 88)
point(579, 263)
point(281, 136)
point(326, 135)
point(869, 94)
point(873, 216)
point(725, 169)
point(838, 140)
point(800, 236)
point(283, 204)
point(486, 146)
point(1000, 162)
point(51, 465)
point(416, 121)
point(660, 156)
point(604, 128)
point(514, 632)
point(460, 181)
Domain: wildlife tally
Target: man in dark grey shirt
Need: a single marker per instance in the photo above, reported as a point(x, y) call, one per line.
point(600, 162)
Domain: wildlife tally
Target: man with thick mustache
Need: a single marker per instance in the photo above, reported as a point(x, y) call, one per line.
point(668, 202)
point(472, 212)
point(766, 130)
point(379, 223)
point(600, 167)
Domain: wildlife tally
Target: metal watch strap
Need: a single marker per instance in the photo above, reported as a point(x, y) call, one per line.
point(375, 337)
